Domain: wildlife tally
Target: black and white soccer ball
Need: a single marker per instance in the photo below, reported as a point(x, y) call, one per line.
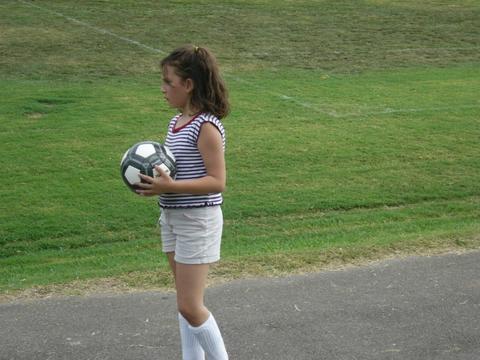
point(141, 158)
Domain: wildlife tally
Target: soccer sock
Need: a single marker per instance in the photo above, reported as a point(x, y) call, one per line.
point(209, 336)
point(191, 348)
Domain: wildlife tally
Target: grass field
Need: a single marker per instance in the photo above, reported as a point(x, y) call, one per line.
point(354, 134)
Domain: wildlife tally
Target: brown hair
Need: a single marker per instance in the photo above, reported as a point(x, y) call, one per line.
point(199, 64)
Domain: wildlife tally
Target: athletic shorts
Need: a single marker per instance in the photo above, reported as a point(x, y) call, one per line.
point(194, 234)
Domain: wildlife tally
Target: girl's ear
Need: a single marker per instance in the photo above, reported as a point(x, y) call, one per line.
point(189, 85)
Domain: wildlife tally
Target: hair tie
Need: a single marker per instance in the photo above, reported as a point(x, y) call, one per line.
point(195, 48)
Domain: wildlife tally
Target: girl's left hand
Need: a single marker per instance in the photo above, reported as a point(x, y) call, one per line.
point(155, 185)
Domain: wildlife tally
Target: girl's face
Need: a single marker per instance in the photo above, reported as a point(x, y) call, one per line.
point(176, 90)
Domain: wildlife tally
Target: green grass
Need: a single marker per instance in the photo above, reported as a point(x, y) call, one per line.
point(354, 133)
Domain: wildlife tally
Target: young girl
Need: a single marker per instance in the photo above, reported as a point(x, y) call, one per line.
point(191, 218)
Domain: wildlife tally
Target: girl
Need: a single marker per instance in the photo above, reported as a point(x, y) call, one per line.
point(191, 218)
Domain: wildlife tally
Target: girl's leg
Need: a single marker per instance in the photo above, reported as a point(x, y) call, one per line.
point(190, 282)
point(191, 348)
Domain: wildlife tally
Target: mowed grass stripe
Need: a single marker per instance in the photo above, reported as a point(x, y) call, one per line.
point(342, 37)
point(447, 224)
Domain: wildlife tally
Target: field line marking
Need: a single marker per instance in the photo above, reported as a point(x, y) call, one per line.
point(434, 49)
point(284, 97)
point(339, 115)
point(407, 110)
point(95, 28)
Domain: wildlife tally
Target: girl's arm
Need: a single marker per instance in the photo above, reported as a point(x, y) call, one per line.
point(211, 148)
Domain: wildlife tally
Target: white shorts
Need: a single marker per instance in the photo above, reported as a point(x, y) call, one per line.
point(194, 234)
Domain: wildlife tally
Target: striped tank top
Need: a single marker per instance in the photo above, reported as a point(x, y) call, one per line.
point(183, 144)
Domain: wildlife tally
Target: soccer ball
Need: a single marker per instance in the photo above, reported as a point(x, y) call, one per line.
point(141, 158)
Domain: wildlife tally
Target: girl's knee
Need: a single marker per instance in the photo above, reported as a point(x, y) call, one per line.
point(189, 310)
point(195, 315)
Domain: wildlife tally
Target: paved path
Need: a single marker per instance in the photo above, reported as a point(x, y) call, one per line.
point(414, 308)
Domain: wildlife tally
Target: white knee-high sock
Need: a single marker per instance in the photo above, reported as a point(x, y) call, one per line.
point(209, 336)
point(191, 348)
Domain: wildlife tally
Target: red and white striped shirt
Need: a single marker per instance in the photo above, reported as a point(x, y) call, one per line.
point(182, 142)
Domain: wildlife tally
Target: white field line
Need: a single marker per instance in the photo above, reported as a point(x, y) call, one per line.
point(407, 110)
point(95, 28)
point(279, 95)
point(368, 112)
point(434, 49)
point(284, 97)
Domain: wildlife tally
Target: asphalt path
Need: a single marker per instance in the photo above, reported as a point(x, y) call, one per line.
point(410, 308)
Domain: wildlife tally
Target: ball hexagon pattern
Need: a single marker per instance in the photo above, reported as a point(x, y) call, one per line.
point(141, 158)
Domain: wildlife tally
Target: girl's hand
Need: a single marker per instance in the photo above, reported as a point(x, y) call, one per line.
point(155, 185)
